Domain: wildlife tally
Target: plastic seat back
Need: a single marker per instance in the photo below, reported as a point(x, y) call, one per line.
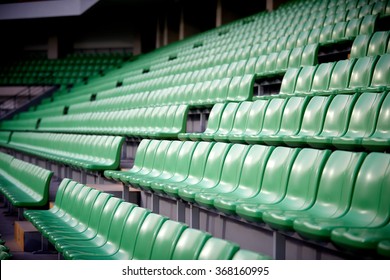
point(218, 249)
point(215, 118)
point(241, 118)
point(289, 81)
point(341, 75)
point(364, 115)
point(256, 117)
point(337, 183)
point(362, 73)
point(190, 244)
point(382, 128)
point(166, 240)
point(227, 118)
point(305, 80)
point(378, 43)
point(304, 178)
point(381, 76)
point(147, 236)
point(322, 77)
point(371, 195)
point(273, 116)
point(360, 46)
point(276, 174)
point(338, 115)
point(130, 232)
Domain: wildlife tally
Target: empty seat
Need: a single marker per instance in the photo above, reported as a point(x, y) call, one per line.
point(334, 191)
point(379, 140)
point(254, 121)
point(336, 121)
point(369, 202)
point(190, 244)
point(291, 121)
point(381, 76)
point(360, 46)
point(289, 81)
point(312, 121)
point(341, 75)
point(249, 185)
point(300, 190)
point(271, 121)
point(362, 121)
point(273, 185)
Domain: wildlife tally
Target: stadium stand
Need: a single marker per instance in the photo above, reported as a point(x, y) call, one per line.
point(266, 137)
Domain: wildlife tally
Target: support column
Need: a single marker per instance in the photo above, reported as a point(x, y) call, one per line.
point(53, 48)
point(218, 20)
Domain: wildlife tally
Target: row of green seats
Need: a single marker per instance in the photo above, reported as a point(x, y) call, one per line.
point(24, 184)
point(90, 152)
point(53, 111)
point(163, 121)
point(19, 125)
point(374, 44)
point(309, 191)
point(343, 121)
point(369, 73)
point(88, 224)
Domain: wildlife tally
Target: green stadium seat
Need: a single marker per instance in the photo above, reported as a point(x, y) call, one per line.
point(291, 121)
point(157, 160)
point(312, 121)
point(334, 191)
point(212, 172)
point(241, 88)
point(228, 182)
point(226, 123)
point(271, 120)
point(78, 250)
point(167, 168)
point(361, 74)
point(369, 202)
point(196, 171)
point(360, 46)
point(336, 121)
point(190, 244)
point(368, 24)
point(254, 122)
point(301, 188)
point(100, 236)
point(181, 168)
point(166, 240)
point(341, 74)
point(305, 80)
point(23, 184)
point(295, 58)
point(138, 160)
point(378, 43)
point(249, 185)
point(322, 77)
point(380, 78)
point(240, 121)
point(362, 121)
point(379, 139)
point(147, 236)
point(289, 81)
point(273, 185)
